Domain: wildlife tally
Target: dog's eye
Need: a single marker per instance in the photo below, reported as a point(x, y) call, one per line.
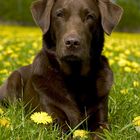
point(91, 17)
point(60, 13)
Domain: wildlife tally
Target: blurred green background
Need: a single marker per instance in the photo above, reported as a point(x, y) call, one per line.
point(18, 12)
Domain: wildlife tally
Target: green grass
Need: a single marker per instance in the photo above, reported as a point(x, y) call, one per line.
point(131, 11)
point(18, 12)
point(18, 46)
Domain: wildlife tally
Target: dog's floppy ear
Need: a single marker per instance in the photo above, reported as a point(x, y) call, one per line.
point(110, 15)
point(41, 10)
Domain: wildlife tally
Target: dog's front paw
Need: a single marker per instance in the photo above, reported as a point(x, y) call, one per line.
point(99, 131)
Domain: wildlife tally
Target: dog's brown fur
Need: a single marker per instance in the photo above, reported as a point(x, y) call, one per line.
point(69, 78)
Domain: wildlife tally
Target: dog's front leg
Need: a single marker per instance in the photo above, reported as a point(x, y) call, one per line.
point(100, 118)
point(55, 100)
point(12, 89)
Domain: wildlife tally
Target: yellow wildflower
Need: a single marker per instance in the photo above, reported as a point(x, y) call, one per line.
point(80, 134)
point(35, 45)
point(124, 91)
point(135, 65)
point(111, 61)
point(41, 117)
point(136, 84)
point(14, 56)
point(1, 47)
point(127, 52)
point(4, 122)
point(122, 62)
point(7, 64)
point(4, 71)
point(127, 69)
point(8, 52)
point(136, 123)
point(1, 111)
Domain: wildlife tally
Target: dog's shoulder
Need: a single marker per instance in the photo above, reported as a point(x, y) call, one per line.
point(104, 77)
point(40, 64)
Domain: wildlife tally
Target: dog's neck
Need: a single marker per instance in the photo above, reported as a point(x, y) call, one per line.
point(77, 69)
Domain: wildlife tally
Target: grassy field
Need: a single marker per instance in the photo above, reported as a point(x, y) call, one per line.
point(18, 46)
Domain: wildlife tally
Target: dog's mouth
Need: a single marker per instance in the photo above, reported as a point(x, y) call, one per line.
point(72, 64)
point(71, 59)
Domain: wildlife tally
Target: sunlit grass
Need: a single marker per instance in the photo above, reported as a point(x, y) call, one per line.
point(19, 45)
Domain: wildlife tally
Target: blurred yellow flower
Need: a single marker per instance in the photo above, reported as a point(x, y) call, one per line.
point(111, 61)
point(135, 65)
point(122, 62)
point(136, 84)
point(80, 134)
point(4, 122)
point(127, 69)
point(41, 117)
point(1, 47)
point(127, 52)
point(1, 111)
point(7, 64)
point(124, 91)
point(14, 55)
point(8, 52)
point(35, 45)
point(4, 71)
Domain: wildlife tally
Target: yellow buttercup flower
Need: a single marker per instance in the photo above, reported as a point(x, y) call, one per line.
point(122, 62)
point(4, 71)
point(8, 52)
point(127, 52)
point(136, 84)
point(80, 134)
point(127, 69)
point(111, 61)
point(4, 122)
point(41, 117)
point(136, 123)
point(124, 91)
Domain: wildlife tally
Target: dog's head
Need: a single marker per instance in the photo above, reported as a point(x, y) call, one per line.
point(73, 29)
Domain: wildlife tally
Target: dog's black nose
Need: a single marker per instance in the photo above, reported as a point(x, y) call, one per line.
point(73, 42)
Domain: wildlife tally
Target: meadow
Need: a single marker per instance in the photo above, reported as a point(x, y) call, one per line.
point(19, 45)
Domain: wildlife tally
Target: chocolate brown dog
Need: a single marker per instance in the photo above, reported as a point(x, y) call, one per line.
point(69, 78)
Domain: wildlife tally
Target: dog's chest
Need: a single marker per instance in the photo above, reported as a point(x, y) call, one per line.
point(83, 91)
